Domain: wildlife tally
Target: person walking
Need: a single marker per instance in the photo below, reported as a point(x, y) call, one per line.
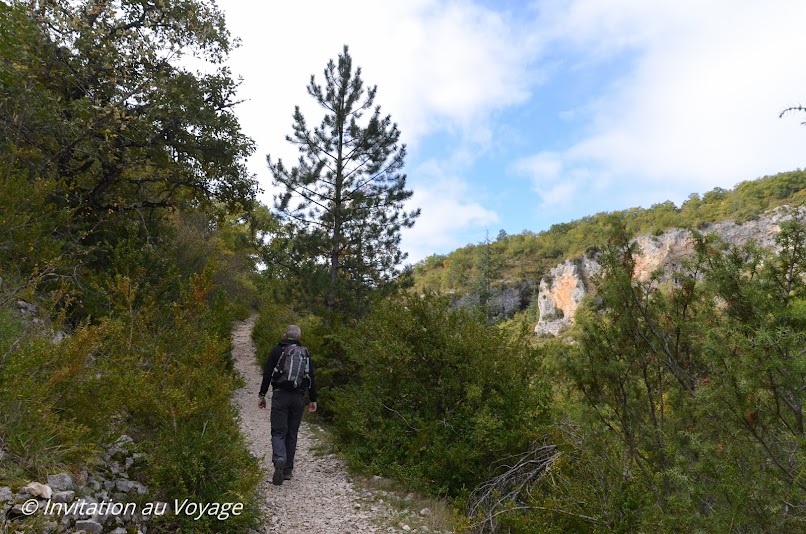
point(289, 370)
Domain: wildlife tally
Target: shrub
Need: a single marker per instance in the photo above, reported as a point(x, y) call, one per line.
point(438, 395)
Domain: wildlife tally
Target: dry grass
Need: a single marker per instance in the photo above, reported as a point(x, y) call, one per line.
point(421, 513)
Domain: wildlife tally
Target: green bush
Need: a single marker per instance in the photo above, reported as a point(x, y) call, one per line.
point(158, 375)
point(438, 397)
point(677, 412)
point(33, 376)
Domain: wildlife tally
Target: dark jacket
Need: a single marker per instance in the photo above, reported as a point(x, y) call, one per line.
point(271, 363)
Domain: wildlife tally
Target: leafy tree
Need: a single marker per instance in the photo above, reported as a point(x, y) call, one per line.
point(346, 193)
point(116, 121)
point(99, 118)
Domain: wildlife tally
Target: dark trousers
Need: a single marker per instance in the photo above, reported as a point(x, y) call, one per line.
point(286, 416)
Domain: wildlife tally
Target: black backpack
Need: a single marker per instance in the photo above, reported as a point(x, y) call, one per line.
point(292, 368)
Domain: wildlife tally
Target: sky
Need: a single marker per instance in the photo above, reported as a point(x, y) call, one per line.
point(519, 115)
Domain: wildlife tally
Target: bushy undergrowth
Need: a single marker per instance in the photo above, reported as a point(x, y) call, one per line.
point(33, 376)
point(438, 398)
point(159, 376)
point(680, 405)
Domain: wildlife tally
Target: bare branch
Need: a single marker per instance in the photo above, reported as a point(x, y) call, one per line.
point(509, 490)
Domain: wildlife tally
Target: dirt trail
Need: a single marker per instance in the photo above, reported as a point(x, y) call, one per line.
point(320, 498)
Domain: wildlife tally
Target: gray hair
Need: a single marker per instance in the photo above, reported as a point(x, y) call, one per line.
point(293, 332)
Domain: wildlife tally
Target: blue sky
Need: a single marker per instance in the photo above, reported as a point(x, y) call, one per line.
point(520, 115)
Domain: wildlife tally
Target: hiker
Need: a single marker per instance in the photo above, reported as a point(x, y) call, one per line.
point(290, 372)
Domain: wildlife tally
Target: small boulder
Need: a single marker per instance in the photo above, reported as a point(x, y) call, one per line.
point(63, 496)
point(83, 504)
point(6, 494)
point(26, 308)
point(126, 486)
point(89, 525)
point(60, 482)
point(122, 448)
point(35, 489)
point(58, 337)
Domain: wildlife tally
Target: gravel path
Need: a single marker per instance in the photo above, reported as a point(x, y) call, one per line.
point(320, 498)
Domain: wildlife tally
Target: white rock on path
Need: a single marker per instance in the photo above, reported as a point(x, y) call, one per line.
point(35, 489)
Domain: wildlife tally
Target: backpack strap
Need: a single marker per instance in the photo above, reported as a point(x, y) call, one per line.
point(278, 369)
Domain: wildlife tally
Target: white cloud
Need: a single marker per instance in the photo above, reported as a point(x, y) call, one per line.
point(440, 66)
point(699, 107)
point(447, 212)
point(695, 105)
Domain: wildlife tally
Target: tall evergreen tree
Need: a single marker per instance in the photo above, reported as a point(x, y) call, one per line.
point(345, 195)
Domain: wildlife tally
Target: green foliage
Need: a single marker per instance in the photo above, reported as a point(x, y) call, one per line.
point(30, 255)
point(344, 199)
point(125, 216)
point(685, 397)
point(488, 268)
point(158, 375)
point(33, 377)
point(102, 134)
point(439, 397)
point(115, 122)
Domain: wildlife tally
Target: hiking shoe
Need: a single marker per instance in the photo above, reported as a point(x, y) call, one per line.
point(287, 476)
point(277, 479)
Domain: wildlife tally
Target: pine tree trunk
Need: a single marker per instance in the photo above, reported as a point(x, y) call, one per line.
point(337, 212)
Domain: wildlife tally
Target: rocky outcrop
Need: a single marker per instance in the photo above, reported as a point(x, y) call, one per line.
point(561, 292)
point(105, 500)
point(563, 289)
point(35, 319)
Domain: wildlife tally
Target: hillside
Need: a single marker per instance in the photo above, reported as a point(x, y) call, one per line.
point(507, 272)
point(562, 291)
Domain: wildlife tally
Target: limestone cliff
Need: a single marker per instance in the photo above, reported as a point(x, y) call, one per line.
point(562, 290)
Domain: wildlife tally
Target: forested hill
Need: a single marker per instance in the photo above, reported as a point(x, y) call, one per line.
point(514, 264)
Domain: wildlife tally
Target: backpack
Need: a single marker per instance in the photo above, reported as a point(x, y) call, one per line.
point(292, 368)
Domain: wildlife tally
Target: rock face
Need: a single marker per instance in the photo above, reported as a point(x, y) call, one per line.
point(562, 290)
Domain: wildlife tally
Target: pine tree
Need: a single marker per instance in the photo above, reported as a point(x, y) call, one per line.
point(345, 195)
